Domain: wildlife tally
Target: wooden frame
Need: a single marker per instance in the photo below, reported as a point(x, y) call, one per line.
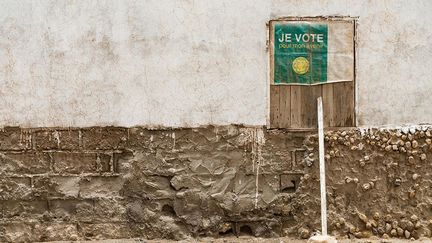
point(294, 106)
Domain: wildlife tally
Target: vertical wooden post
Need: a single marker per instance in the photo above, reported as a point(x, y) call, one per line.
point(322, 168)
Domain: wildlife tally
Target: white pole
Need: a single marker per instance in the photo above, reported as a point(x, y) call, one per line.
point(322, 168)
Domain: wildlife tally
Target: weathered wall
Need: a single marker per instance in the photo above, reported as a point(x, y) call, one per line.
point(190, 63)
point(94, 183)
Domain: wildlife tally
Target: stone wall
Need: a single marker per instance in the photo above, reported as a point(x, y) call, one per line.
point(112, 182)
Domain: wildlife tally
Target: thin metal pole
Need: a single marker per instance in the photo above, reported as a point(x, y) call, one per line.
point(322, 168)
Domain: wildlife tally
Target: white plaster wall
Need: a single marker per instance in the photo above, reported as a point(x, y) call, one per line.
point(192, 62)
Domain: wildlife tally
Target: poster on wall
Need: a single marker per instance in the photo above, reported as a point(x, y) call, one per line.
point(312, 52)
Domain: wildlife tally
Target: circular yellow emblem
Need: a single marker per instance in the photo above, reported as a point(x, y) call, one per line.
point(300, 65)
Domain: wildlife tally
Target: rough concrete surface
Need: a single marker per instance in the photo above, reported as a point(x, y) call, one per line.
point(190, 63)
point(224, 181)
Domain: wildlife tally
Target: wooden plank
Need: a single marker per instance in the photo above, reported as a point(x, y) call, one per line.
point(309, 95)
point(327, 94)
point(344, 104)
point(285, 106)
point(274, 106)
point(296, 121)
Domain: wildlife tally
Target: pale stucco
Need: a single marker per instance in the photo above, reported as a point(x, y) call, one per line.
point(191, 63)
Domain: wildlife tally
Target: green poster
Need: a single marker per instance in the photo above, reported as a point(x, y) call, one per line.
point(300, 53)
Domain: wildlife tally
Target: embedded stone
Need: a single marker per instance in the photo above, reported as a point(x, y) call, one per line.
point(410, 137)
point(398, 133)
point(410, 226)
point(362, 217)
point(373, 223)
point(309, 161)
point(366, 186)
point(415, 176)
point(363, 234)
point(380, 230)
point(408, 145)
point(414, 144)
point(397, 182)
point(407, 234)
point(393, 233)
point(304, 233)
point(388, 218)
point(388, 227)
point(376, 216)
point(400, 231)
point(411, 160)
point(423, 156)
point(411, 193)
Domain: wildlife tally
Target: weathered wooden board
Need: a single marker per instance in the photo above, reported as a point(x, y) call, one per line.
point(295, 106)
point(327, 94)
point(309, 106)
point(343, 105)
point(296, 94)
point(285, 105)
point(275, 112)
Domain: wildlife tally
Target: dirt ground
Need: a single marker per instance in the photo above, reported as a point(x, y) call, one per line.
point(249, 239)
